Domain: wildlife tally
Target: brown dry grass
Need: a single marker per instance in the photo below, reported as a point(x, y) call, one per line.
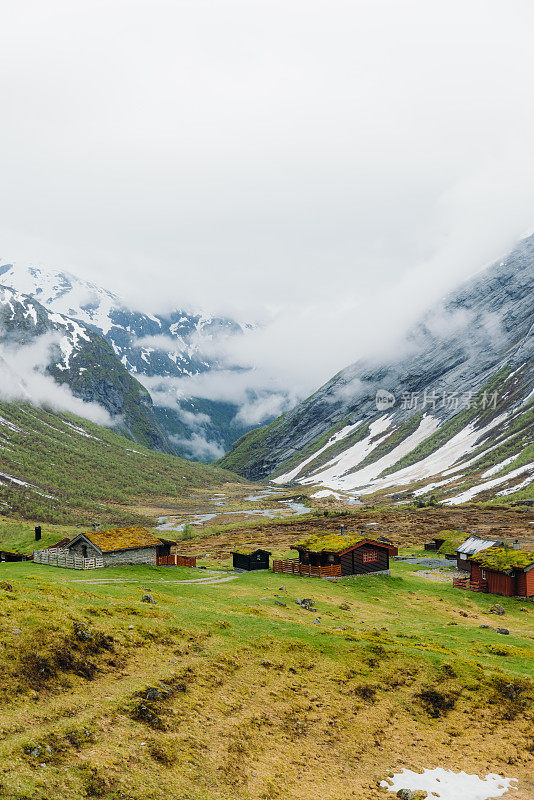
point(404, 528)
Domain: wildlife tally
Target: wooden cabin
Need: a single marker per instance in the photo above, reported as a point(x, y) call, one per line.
point(249, 559)
point(5, 555)
point(334, 555)
point(472, 546)
point(504, 571)
point(435, 544)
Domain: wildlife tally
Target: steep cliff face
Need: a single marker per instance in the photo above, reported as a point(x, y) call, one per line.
point(457, 403)
point(78, 357)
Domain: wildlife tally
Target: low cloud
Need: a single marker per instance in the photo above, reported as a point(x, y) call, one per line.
point(258, 396)
point(23, 376)
point(198, 447)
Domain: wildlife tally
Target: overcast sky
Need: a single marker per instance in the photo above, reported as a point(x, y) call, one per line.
point(328, 168)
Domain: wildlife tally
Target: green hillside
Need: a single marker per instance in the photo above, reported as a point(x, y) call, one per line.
point(232, 691)
point(59, 468)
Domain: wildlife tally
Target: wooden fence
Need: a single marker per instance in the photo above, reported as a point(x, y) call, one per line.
point(175, 560)
point(292, 566)
point(472, 586)
point(62, 558)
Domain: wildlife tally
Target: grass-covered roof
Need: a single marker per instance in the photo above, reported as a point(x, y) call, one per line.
point(248, 550)
point(503, 559)
point(329, 542)
point(122, 539)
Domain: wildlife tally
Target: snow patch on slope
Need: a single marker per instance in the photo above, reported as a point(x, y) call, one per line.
point(464, 497)
point(337, 437)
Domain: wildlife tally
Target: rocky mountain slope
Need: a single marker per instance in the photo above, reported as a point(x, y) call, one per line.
point(451, 416)
point(156, 349)
point(39, 344)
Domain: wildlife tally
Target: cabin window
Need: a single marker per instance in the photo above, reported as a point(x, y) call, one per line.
point(370, 555)
point(84, 551)
point(483, 571)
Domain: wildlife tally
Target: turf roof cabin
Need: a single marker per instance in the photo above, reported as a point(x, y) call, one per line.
point(470, 548)
point(504, 571)
point(119, 546)
point(353, 554)
point(249, 559)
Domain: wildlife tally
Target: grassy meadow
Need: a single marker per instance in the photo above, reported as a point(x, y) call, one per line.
point(232, 690)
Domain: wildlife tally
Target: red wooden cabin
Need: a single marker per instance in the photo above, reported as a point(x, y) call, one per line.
point(501, 571)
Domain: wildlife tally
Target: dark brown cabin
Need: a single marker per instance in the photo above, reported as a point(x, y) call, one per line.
point(435, 544)
point(251, 559)
point(346, 554)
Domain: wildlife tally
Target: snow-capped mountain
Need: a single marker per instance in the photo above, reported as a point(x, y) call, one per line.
point(453, 416)
point(126, 329)
point(156, 349)
point(43, 349)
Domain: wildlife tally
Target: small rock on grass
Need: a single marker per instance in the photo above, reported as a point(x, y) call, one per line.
point(504, 631)
point(498, 609)
point(147, 598)
point(278, 603)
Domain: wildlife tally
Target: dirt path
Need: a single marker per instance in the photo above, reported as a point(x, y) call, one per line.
point(198, 581)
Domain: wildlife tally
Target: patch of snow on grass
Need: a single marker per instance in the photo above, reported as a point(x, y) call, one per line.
point(498, 467)
point(517, 487)
point(8, 424)
point(464, 497)
point(444, 784)
point(342, 434)
point(327, 493)
point(81, 431)
point(366, 479)
point(435, 485)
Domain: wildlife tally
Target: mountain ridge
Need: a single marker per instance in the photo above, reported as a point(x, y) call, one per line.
point(480, 333)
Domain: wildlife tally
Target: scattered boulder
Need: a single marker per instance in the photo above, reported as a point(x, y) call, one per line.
point(487, 627)
point(279, 603)
point(344, 607)
point(317, 621)
point(152, 694)
point(306, 603)
point(524, 609)
point(82, 632)
point(282, 589)
point(504, 631)
point(147, 598)
point(405, 794)
point(498, 609)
